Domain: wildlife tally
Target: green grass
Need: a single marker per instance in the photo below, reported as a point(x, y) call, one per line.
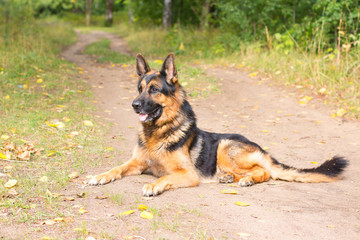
point(317, 75)
point(117, 198)
point(193, 78)
point(332, 77)
point(101, 49)
point(37, 89)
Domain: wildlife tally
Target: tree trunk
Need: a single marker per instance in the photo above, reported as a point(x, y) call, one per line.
point(204, 21)
point(109, 13)
point(294, 12)
point(130, 12)
point(88, 12)
point(167, 13)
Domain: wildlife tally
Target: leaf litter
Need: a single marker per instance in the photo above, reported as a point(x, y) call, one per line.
point(11, 151)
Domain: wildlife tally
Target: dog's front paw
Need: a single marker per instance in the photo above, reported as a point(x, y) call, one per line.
point(101, 179)
point(226, 178)
point(151, 190)
point(246, 182)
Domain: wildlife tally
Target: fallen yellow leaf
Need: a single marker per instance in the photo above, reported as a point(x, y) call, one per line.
point(11, 183)
point(83, 210)
point(243, 234)
point(142, 207)
point(314, 162)
point(7, 97)
point(341, 112)
point(39, 80)
point(305, 100)
point(253, 74)
point(5, 137)
point(69, 198)
point(127, 212)
point(88, 123)
point(101, 197)
point(44, 179)
point(229, 191)
point(2, 156)
point(48, 222)
point(73, 175)
point(51, 153)
point(60, 219)
point(48, 193)
point(243, 204)
point(146, 215)
point(322, 90)
point(66, 119)
point(59, 125)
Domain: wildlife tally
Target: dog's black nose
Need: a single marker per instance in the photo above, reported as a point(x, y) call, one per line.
point(137, 104)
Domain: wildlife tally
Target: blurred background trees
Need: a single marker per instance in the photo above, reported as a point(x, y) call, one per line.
point(310, 24)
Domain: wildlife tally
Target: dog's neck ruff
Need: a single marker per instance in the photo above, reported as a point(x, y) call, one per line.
point(172, 134)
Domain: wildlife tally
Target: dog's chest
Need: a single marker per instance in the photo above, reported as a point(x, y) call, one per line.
point(157, 167)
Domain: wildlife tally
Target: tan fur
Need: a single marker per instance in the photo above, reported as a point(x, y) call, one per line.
point(244, 161)
point(237, 161)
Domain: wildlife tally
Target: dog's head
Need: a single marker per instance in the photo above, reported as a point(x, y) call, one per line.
point(160, 94)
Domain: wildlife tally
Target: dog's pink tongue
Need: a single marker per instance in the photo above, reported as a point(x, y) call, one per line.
point(142, 117)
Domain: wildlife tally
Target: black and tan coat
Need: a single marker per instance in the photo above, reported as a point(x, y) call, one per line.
point(173, 148)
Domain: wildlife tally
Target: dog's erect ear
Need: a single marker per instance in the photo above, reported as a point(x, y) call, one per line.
point(141, 65)
point(168, 69)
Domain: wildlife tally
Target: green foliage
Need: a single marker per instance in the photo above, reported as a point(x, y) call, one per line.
point(148, 13)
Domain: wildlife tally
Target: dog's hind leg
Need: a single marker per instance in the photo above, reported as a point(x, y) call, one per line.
point(237, 160)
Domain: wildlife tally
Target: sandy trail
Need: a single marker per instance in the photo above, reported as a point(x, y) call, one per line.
point(265, 113)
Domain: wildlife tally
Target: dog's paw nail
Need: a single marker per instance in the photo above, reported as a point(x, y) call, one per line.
point(149, 190)
point(93, 181)
point(246, 183)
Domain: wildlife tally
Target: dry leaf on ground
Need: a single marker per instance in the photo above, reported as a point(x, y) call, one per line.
point(11, 183)
point(243, 204)
point(73, 175)
point(83, 210)
point(146, 215)
point(229, 191)
point(127, 212)
point(142, 207)
point(88, 123)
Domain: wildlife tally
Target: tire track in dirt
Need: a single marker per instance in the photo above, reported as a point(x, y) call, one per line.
point(267, 114)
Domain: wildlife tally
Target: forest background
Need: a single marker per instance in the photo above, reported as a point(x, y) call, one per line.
point(309, 43)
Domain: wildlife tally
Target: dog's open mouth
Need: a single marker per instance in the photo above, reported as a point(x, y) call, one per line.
point(148, 117)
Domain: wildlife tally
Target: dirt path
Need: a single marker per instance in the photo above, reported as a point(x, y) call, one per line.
point(269, 115)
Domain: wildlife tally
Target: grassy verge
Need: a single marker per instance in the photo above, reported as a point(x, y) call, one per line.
point(101, 49)
point(192, 77)
point(331, 76)
point(43, 105)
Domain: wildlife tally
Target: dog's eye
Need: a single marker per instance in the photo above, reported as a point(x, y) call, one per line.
point(140, 89)
point(154, 89)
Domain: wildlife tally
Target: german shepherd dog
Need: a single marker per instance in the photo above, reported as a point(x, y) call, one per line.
point(172, 147)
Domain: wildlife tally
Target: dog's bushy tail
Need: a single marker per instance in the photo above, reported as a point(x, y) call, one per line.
point(329, 171)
